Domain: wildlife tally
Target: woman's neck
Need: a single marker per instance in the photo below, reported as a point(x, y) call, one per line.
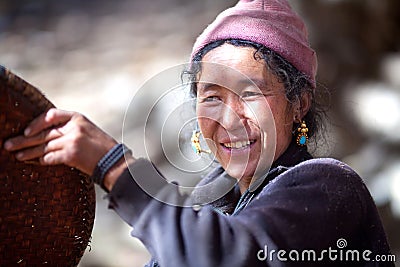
point(244, 184)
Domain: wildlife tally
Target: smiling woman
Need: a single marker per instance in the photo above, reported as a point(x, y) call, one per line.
point(235, 115)
point(253, 76)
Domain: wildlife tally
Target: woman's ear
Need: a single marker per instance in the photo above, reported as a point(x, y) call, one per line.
point(302, 106)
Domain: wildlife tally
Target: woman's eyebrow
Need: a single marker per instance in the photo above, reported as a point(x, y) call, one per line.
point(259, 83)
point(205, 86)
point(208, 86)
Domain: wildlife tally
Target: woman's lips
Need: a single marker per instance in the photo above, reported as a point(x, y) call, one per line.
point(238, 145)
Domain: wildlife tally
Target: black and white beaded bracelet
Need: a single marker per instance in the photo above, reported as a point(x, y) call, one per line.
point(107, 162)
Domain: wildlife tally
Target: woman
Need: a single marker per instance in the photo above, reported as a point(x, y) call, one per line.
point(286, 207)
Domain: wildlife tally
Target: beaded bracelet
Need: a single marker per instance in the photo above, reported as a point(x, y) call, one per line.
point(107, 162)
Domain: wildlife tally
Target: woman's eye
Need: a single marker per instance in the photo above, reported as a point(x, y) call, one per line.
point(210, 99)
point(250, 94)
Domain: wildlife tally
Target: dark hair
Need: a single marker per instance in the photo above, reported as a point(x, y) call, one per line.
point(295, 82)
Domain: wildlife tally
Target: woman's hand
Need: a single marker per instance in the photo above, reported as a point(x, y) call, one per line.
point(62, 137)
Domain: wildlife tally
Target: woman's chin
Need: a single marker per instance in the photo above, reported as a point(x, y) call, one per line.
point(238, 172)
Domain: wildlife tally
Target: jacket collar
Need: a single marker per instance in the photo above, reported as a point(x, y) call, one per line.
point(293, 155)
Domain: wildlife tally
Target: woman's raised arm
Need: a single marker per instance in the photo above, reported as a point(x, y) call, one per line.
point(65, 137)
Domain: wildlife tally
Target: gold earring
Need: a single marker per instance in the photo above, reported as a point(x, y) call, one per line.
point(302, 137)
point(195, 140)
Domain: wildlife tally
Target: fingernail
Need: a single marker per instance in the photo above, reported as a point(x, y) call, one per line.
point(27, 131)
point(19, 155)
point(8, 145)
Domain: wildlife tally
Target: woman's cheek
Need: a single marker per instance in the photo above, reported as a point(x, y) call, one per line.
point(208, 123)
point(206, 126)
point(283, 117)
point(259, 113)
point(207, 116)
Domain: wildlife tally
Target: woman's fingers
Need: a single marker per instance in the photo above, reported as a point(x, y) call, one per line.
point(46, 120)
point(52, 158)
point(55, 154)
point(38, 151)
point(21, 142)
point(36, 133)
point(32, 153)
point(62, 137)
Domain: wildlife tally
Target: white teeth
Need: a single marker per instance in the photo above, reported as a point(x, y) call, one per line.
point(236, 145)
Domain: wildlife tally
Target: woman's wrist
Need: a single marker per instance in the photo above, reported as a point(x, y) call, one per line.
point(110, 165)
point(116, 171)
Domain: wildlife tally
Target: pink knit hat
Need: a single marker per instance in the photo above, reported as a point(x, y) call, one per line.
point(271, 23)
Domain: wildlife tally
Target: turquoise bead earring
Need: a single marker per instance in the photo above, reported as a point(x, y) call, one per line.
point(195, 140)
point(302, 137)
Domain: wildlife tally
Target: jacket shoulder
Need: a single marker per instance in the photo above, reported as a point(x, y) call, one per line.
point(331, 177)
point(323, 168)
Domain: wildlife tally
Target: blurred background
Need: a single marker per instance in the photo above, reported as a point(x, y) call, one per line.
point(91, 56)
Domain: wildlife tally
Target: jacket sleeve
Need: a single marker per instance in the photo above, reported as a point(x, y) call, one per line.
point(310, 206)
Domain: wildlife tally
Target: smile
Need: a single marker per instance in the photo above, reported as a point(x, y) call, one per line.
point(238, 145)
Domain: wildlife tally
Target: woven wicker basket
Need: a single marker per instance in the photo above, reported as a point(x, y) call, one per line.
point(46, 212)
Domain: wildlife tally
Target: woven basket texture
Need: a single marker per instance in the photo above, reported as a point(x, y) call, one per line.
point(46, 212)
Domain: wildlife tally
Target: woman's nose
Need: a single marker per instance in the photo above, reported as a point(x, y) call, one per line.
point(233, 115)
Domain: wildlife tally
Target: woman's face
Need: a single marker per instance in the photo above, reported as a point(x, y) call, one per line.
point(242, 111)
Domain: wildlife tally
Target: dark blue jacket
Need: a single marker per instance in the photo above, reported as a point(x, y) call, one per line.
point(306, 212)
